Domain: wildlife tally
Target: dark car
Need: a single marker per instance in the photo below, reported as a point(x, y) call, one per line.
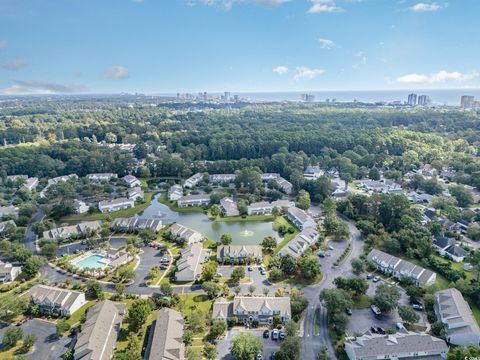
point(281, 335)
point(369, 276)
point(381, 330)
point(348, 311)
point(373, 330)
point(272, 356)
point(266, 334)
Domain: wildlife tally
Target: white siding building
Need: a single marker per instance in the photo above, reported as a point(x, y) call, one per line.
point(115, 205)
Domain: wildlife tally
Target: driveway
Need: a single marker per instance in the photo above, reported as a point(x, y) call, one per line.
point(362, 319)
point(269, 345)
point(47, 345)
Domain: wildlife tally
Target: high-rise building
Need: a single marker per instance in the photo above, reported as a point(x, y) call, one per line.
point(467, 101)
point(226, 96)
point(308, 97)
point(412, 99)
point(423, 100)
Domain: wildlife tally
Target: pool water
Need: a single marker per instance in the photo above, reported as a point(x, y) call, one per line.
point(93, 261)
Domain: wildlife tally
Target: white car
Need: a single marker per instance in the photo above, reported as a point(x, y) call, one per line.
point(275, 334)
point(376, 310)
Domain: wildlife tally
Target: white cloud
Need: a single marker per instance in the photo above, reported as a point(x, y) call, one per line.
point(319, 6)
point(16, 64)
point(116, 72)
point(280, 70)
point(427, 7)
point(3, 44)
point(40, 87)
point(326, 44)
point(305, 73)
point(228, 4)
point(435, 78)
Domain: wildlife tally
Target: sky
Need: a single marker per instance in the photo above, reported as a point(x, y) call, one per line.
point(170, 46)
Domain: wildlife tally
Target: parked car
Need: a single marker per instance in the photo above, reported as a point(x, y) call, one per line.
point(219, 275)
point(321, 254)
point(369, 276)
point(259, 357)
point(348, 311)
point(417, 307)
point(400, 326)
point(376, 310)
point(163, 267)
point(376, 279)
point(263, 272)
point(274, 334)
point(330, 247)
point(266, 334)
point(250, 268)
point(272, 355)
point(381, 330)
point(281, 335)
point(373, 330)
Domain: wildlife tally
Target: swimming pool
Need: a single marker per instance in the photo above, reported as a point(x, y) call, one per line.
point(93, 261)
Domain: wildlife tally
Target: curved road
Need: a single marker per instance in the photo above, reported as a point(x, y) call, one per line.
point(311, 343)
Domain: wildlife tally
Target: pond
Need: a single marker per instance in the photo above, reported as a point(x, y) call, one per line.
point(243, 232)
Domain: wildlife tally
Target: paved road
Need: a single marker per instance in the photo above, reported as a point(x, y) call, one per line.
point(47, 346)
point(30, 236)
point(311, 343)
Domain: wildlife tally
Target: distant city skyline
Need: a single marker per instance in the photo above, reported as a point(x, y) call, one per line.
point(155, 47)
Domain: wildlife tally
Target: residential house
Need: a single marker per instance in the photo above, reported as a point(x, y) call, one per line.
point(175, 192)
point(428, 171)
point(269, 176)
point(86, 228)
point(99, 332)
point(383, 186)
point(193, 201)
point(166, 337)
point(190, 264)
point(53, 300)
point(134, 224)
point(447, 247)
point(80, 207)
point(136, 193)
point(101, 176)
point(193, 180)
point(339, 193)
point(239, 252)
point(312, 172)
point(248, 309)
point(222, 178)
point(284, 185)
point(400, 269)
point(115, 205)
point(402, 345)
point(266, 208)
point(229, 207)
point(189, 236)
point(300, 243)
point(5, 224)
point(31, 183)
point(131, 181)
point(56, 180)
point(8, 211)
point(8, 272)
point(300, 218)
point(453, 311)
point(419, 198)
point(118, 257)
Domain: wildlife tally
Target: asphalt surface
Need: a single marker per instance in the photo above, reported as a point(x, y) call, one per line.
point(47, 346)
point(269, 345)
point(311, 343)
point(30, 236)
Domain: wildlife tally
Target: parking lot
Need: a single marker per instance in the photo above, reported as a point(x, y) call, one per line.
point(269, 345)
point(257, 279)
point(47, 345)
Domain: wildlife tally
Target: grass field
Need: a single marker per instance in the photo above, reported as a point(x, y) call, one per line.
point(316, 331)
point(77, 315)
point(122, 213)
point(281, 220)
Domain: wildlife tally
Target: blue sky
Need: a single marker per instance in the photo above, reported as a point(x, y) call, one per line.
point(168, 46)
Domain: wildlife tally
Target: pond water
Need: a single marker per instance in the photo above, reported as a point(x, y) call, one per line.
point(243, 232)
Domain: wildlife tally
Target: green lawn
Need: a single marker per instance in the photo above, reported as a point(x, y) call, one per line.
point(116, 214)
point(77, 315)
point(281, 220)
point(193, 302)
point(363, 302)
point(316, 331)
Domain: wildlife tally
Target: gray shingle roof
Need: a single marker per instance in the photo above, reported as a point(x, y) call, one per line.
point(166, 341)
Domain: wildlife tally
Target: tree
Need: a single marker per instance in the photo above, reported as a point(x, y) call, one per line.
point(251, 289)
point(226, 239)
point(323, 353)
point(374, 174)
point(217, 329)
point(407, 314)
point(288, 264)
point(237, 274)
point(12, 305)
point(28, 342)
point(308, 266)
point(12, 336)
point(120, 288)
point(245, 346)
point(32, 266)
point(303, 200)
point(187, 337)
point(61, 328)
point(215, 210)
point(290, 348)
point(237, 290)
point(462, 353)
point(358, 266)
point(94, 290)
point(196, 321)
point(69, 355)
point(212, 289)
point(386, 297)
point(329, 206)
point(357, 286)
point(415, 293)
point(336, 300)
point(209, 271)
point(269, 243)
point(166, 289)
point(210, 351)
point(138, 314)
point(462, 195)
point(125, 274)
point(275, 275)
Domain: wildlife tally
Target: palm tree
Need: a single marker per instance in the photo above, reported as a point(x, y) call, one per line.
point(266, 291)
point(251, 289)
point(237, 290)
